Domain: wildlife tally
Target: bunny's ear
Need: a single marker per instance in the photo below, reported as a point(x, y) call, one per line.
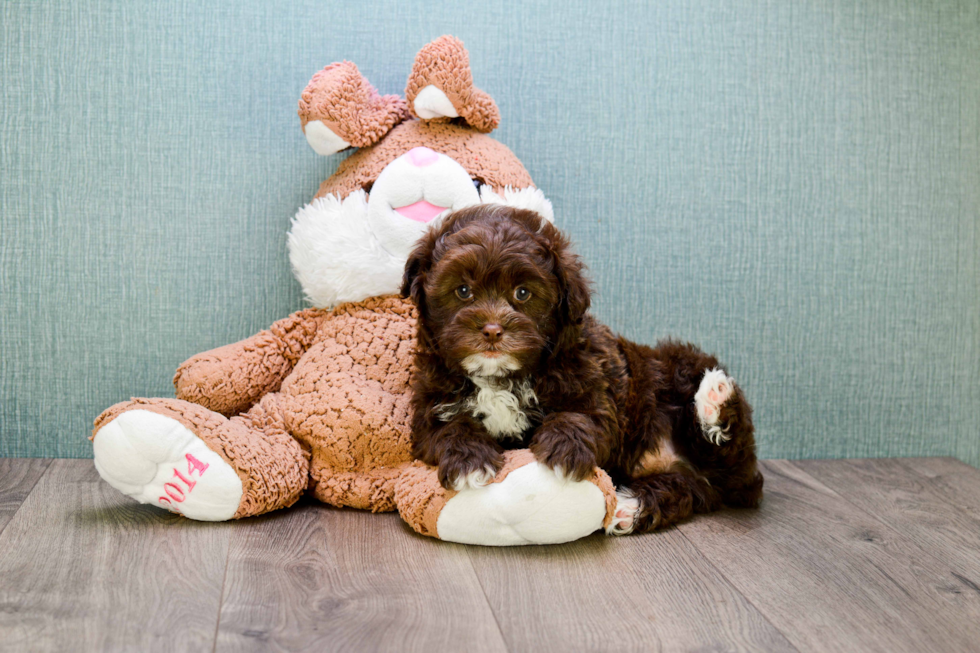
point(441, 87)
point(339, 108)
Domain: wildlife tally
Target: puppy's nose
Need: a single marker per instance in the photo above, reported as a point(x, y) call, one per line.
point(493, 332)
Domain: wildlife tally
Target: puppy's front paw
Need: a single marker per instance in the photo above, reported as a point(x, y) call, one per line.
point(474, 480)
point(473, 467)
point(568, 457)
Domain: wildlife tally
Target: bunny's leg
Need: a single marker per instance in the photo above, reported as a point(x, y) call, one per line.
point(196, 462)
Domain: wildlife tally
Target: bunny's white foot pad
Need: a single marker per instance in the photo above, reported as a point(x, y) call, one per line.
point(530, 506)
point(156, 459)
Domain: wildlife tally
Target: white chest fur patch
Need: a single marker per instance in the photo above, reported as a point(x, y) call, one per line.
point(498, 403)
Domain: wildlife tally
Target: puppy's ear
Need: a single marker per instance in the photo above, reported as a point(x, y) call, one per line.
point(575, 297)
point(416, 268)
point(573, 288)
point(420, 260)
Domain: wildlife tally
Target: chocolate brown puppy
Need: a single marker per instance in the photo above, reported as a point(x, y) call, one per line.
point(508, 356)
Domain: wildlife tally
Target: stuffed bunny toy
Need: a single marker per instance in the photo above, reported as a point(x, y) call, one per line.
point(319, 402)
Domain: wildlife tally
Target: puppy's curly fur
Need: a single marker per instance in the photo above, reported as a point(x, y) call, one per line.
point(509, 356)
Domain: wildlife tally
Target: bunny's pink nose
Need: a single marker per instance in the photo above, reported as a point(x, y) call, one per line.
point(422, 156)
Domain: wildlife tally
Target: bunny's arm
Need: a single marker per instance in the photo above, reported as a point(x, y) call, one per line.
point(231, 379)
point(525, 504)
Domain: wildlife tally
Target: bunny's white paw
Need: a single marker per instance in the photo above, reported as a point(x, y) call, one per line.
point(530, 506)
point(156, 459)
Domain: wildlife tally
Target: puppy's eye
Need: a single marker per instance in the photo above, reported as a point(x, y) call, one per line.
point(464, 292)
point(476, 184)
point(522, 294)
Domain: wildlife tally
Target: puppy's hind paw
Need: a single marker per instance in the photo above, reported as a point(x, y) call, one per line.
point(627, 507)
point(716, 388)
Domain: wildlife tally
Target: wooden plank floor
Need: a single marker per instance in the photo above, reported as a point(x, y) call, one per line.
point(853, 555)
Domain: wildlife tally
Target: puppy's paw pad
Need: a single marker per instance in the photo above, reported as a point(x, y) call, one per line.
point(475, 479)
point(155, 459)
point(627, 506)
point(716, 388)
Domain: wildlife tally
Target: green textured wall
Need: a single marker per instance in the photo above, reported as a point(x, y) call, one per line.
point(794, 185)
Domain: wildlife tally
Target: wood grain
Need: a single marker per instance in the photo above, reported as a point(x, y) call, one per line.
point(84, 568)
point(952, 478)
point(904, 500)
point(642, 593)
point(877, 555)
point(17, 478)
point(316, 578)
point(833, 577)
